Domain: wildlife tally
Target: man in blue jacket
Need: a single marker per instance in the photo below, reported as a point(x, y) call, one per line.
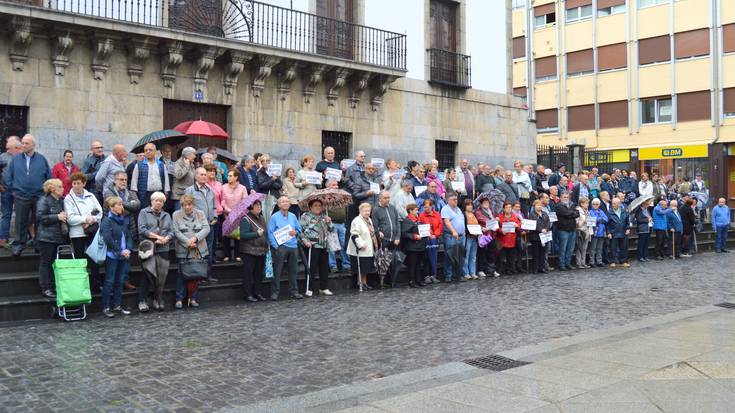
point(26, 174)
point(675, 227)
point(660, 226)
point(285, 252)
point(721, 223)
point(618, 231)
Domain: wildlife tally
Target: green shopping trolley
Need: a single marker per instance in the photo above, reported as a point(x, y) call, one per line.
point(72, 285)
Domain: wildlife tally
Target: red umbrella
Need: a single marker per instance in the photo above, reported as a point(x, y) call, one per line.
point(201, 128)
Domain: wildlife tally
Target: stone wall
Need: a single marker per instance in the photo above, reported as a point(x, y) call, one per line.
point(69, 110)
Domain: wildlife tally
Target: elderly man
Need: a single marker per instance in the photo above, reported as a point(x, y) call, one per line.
point(675, 227)
point(109, 167)
point(92, 164)
point(184, 172)
point(618, 231)
point(523, 184)
point(386, 222)
point(204, 201)
point(13, 146)
point(581, 189)
point(464, 175)
point(149, 176)
point(485, 181)
point(25, 176)
point(285, 251)
point(358, 185)
point(432, 194)
point(454, 235)
point(566, 227)
point(721, 223)
point(509, 188)
point(328, 161)
point(556, 177)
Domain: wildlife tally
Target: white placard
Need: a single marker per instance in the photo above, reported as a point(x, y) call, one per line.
point(545, 185)
point(442, 176)
point(282, 235)
point(546, 237)
point(312, 177)
point(552, 217)
point(333, 174)
point(346, 163)
point(474, 229)
point(420, 189)
point(492, 225)
point(509, 227)
point(397, 176)
point(424, 230)
point(457, 186)
point(528, 224)
point(591, 221)
point(378, 163)
point(275, 169)
point(375, 188)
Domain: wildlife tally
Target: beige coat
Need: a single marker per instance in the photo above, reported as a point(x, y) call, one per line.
point(363, 240)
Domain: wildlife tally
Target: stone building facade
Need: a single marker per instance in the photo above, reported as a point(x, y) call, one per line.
point(79, 77)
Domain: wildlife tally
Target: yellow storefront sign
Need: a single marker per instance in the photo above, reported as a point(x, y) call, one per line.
point(602, 157)
point(673, 152)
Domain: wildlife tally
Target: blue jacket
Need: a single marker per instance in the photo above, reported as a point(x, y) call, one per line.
point(674, 222)
point(659, 218)
point(601, 217)
point(642, 219)
point(112, 230)
point(618, 225)
point(27, 182)
point(248, 179)
point(438, 201)
point(277, 222)
point(720, 216)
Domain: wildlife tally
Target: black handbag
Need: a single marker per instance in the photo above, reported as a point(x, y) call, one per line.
point(193, 269)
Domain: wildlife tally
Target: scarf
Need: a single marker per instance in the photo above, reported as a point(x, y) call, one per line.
point(120, 219)
point(372, 232)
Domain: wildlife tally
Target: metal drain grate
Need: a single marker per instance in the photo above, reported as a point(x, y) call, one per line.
point(495, 363)
point(726, 305)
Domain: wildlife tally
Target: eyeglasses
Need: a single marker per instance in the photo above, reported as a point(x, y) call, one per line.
point(98, 147)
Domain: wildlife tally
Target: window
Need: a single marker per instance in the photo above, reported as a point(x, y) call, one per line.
point(443, 25)
point(609, 11)
point(13, 121)
point(612, 56)
point(547, 121)
point(654, 50)
point(614, 114)
point(446, 154)
point(544, 15)
point(729, 102)
point(646, 3)
point(581, 118)
point(579, 13)
point(728, 38)
point(520, 91)
point(340, 141)
point(545, 68)
point(691, 43)
point(517, 4)
point(693, 106)
point(581, 62)
point(656, 110)
point(519, 47)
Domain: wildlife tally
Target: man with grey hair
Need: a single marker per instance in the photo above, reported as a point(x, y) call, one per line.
point(328, 161)
point(149, 176)
point(285, 251)
point(387, 226)
point(183, 174)
point(12, 147)
point(25, 177)
point(248, 172)
point(204, 201)
point(113, 164)
point(464, 175)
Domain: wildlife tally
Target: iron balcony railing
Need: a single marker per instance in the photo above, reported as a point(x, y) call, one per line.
point(252, 22)
point(450, 68)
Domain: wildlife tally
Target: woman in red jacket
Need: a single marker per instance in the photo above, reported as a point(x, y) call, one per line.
point(64, 170)
point(507, 239)
point(434, 219)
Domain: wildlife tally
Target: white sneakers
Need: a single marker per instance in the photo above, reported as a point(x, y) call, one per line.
point(325, 292)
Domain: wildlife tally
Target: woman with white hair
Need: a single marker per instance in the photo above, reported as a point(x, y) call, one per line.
point(154, 224)
point(598, 233)
point(50, 216)
point(403, 198)
point(183, 174)
point(362, 245)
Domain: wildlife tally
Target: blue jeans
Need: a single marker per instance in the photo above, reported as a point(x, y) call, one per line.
point(720, 238)
point(6, 199)
point(340, 228)
point(115, 272)
point(643, 245)
point(449, 242)
point(619, 250)
point(567, 241)
point(470, 256)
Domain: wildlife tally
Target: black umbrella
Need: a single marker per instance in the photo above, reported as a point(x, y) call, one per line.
point(455, 254)
point(161, 137)
point(221, 153)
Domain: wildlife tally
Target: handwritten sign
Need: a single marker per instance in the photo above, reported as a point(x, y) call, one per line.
point(378, 163)
point(424, 230)
point(442, 176)
point(420, 189)
point(509, 227)
point(333, 174)
point(275, 169)
point(552, 217)
point(346, 163)
point(457, 186)
point(528, 224)
point(474, 229)
point(375, 187)
point(314, 178)
point(282, 235)
point(492, 225)
point(591, 221)
point(546, 237)
point(545, 185)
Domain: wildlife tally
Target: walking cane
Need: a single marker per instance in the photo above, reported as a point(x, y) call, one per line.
point(308, 292)
point(357, 258)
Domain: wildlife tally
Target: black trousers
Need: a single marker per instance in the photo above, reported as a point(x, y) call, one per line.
point(80, 245)
point(507, 260)
point(319, 266)
point(486, 259)
point(253, 269)
point(661, 244)
point(45, 272)
point(539, 255)
point(413, 262)
point(676, 240)
point(25, 216)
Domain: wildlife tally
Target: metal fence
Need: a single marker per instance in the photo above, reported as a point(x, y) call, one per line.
point(553, 156)
point(253, 22)
point(449, 68)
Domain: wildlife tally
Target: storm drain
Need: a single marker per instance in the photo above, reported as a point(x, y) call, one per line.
point(726, 305)
point(495, 363)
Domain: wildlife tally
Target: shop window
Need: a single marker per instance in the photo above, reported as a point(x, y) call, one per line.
point(547, 121)
point(580, 62)
point(340, 141)
point(579, 13)
point(545, 68)
point(446, 154)
point(544, 15)
point(614, 114)
point(654, 50)
point(656, 110)
point(612, 56)
point(646, 3)
point(691, 44)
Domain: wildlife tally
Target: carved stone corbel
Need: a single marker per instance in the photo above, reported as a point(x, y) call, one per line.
point(286, 75)
point(262, 69)
point(313, 76)
point(63, 43)
point(171, 59)
point(139, 50)
point(20, 40)
point(379, 87)
point(358, 83)
point(338, 78)
point(233, 69)
point(204, 63)
point(102, 48)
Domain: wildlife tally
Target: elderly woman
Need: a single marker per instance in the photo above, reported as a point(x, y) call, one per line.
point(432, 175)
point(253, 248)
point(232, 193)
point(51, 217)
point(315, 226)
point(583, 233)
point(268, 185)
point(543, 226)
point(486, 255)
point(155, 224)
point(392, 177)
point(191, 228)
point(183, 174)
point(216, 186)
point(84, 214)
point(362, 245)
point(115, 230)
point(413, 245)
point(304, 187)
point(291, 191)
point(403, 198)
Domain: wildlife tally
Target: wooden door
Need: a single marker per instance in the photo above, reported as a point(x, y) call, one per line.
point(177, 111)
point(334, 28)
point(443, 24)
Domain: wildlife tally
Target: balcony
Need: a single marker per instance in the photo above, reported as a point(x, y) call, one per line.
point(449, 68)
point(251, 22)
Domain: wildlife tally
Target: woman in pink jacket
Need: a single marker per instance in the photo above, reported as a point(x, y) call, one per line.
point(232, 193)
point(432, 175)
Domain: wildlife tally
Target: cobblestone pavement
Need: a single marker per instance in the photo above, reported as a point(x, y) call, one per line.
point(232, 356)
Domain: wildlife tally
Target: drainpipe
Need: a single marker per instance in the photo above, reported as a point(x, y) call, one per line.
point(561, 75)
point(674, 103)
point(595, 66)
point(636, 100)
point(717, 80)
point(530, 62)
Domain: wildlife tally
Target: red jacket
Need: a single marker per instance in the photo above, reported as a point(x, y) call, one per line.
point(435, 220)
point(508, 240)
point(482, 219)
point(60, 172)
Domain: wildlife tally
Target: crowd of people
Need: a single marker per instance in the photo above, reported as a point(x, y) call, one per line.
point(489, 221)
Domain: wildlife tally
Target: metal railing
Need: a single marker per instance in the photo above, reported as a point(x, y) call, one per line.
point(552, 156)
point(450, 68)
point(253, 22)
